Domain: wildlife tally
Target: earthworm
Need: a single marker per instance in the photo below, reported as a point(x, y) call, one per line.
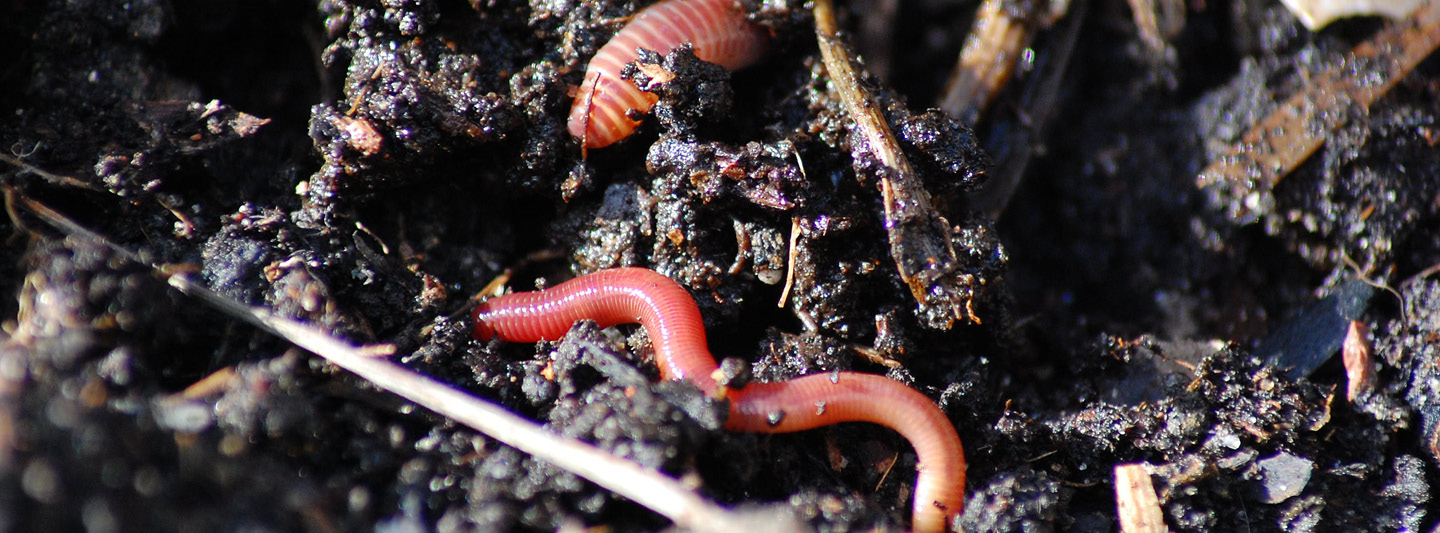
point(716, 28)
point(675, 327)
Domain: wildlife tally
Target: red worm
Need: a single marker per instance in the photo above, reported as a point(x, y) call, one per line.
point(670, 317)
point(717, 29)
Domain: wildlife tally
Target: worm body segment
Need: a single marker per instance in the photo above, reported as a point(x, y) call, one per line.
point(670, 317)
point(716, 28)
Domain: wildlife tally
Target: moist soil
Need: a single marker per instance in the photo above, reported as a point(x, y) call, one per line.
point(368, 167)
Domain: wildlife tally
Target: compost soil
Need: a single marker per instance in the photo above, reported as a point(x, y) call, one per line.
point(367, 167)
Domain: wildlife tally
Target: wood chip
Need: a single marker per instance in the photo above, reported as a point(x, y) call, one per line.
point(1135, 500)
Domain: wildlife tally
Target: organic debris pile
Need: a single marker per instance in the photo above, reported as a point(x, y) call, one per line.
point(1197, 237)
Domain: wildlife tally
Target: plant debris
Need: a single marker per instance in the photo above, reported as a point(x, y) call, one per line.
point(366, 168)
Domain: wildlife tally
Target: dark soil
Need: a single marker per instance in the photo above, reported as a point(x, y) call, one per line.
point(416, 149)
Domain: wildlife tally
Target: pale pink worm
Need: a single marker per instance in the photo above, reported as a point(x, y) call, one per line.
point(717, 29)
point(673, 322)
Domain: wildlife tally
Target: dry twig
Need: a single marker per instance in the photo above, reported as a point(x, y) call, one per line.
point(920, 238)
point(992, 48)
point(1013, 147)
point(1288, 136)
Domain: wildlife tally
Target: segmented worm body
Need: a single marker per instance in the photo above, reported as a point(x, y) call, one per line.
point(670, 317)
point(717, 29)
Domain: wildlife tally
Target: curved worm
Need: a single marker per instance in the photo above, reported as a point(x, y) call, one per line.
point(670, 317)
point(717, 29)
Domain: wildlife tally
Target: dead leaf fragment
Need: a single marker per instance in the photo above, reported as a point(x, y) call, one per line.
point(1359, 367)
